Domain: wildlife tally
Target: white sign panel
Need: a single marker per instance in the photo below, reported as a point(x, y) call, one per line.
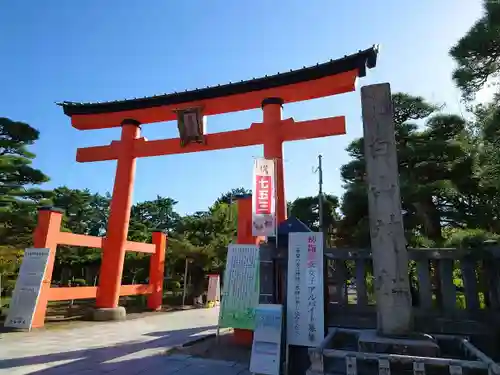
point(305, 298)
point(27, 290)
point(263, 198)
point(266, 348)
point(213, 293)
point(240, 292)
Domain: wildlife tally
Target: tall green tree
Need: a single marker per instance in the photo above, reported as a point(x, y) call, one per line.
point(480, 204)
point(10, 261)
point(306, 209)
point(203, 237)
point(230, 196)
point(477, 53)
point(145, 218)
point(159, 214)
point(19, 194)
point(84, 213)
point(434, 167)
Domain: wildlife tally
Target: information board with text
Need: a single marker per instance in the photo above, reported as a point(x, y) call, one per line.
point(240, 292)
point(266, 348)
point(27, 290)
point(305, 298)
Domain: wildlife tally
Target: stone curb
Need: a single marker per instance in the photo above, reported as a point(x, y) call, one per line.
point(194, 341)
point(190, 343)
point(197, 340)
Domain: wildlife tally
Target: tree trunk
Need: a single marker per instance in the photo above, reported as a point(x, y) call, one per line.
point(431, 222)
point(198, 284)
point(431, 219)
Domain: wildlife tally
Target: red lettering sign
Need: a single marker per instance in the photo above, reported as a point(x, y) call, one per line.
point(263, 196)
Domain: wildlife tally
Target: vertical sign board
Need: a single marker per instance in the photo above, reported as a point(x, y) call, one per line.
point(266, 348)
point(264, 198)
point(27, 290)
point(305, 298)
point(213, 293)
point(240, 293)
point(192, 125)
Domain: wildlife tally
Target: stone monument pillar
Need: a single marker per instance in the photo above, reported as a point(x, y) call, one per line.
point(390, 257)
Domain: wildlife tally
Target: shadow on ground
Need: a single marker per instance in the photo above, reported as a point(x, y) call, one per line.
point(131, 358)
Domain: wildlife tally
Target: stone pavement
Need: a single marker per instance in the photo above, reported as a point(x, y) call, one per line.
point(132, 347)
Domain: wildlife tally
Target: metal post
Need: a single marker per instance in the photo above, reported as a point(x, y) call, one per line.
point(320, 195)
point(276, 203)
point(185, 283)
point(322, 230)
point(230, 215)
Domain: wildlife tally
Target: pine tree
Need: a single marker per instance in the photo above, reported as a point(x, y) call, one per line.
point(19, 194)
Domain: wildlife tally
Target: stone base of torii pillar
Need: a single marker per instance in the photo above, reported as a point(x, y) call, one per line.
point(390, 258)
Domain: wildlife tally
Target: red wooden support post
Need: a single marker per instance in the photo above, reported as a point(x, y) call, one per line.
point(244, 236)
point(113, 250)
point(156, 271)
point(45, 237)
point(273, 149)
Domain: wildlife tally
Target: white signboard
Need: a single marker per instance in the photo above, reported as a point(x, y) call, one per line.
point(213, 293)
point(27, 290)
point(263, 198)
point(305, 298)
point(240, 292)
point(266, 348)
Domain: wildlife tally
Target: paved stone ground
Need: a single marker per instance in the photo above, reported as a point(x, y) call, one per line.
point(133, 347)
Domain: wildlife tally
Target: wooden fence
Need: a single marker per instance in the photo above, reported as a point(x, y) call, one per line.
point(453, 290)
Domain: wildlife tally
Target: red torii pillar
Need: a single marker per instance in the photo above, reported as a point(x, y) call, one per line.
point(273, 149)
point(113, 256)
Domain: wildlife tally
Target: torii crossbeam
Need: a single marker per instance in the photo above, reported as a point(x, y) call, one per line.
point(257, 134)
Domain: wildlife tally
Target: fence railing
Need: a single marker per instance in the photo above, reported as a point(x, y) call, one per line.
point(453, 290)
point(48, 235)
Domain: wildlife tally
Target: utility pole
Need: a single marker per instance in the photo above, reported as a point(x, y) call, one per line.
point(185, 281)
point(326, 294)
point(319, 169)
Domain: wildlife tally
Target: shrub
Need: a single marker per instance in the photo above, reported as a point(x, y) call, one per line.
point(469, 238)
point(8, 287)
point(173, 286)
point(78, 282)
point(420, 241)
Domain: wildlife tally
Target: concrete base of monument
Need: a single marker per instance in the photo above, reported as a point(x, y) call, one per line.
point(414, 345)
point(105, 314)
point(363, 351)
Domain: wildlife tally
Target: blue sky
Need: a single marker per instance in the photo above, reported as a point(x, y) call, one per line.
point(97, 50)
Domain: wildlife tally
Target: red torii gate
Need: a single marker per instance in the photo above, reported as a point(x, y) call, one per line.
point(270, 93)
